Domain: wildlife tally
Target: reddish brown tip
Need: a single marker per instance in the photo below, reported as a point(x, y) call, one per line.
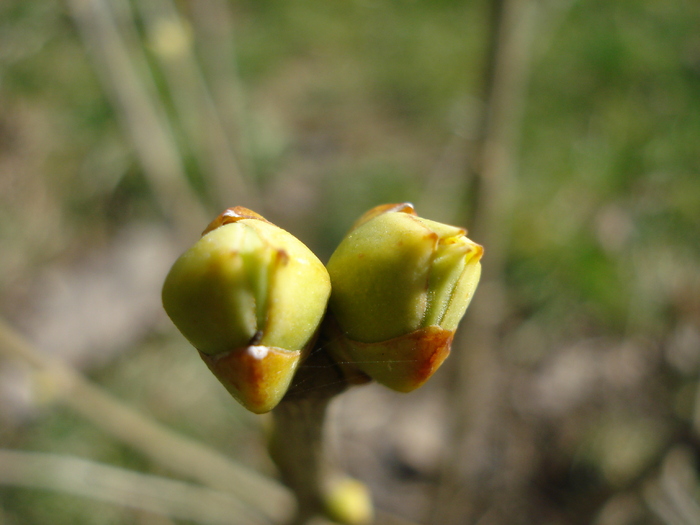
point(233, 215)
point(257, 376)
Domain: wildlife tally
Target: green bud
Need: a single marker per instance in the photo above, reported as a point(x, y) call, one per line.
point(348, 501)
point(250, 297)
point(400, 285)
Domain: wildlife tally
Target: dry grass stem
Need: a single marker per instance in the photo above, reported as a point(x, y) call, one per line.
point(170, 37)
point(125, 75)
point(81, 477)
point(179, 454)
point(477, 371)
point(213, 29)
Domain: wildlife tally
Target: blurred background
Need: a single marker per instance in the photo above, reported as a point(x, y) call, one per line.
point(562, 133)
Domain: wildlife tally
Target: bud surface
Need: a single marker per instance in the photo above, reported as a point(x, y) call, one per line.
point(249, 296)
point(400, 285)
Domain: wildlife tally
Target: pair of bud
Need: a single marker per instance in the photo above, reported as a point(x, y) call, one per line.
point(252, 299)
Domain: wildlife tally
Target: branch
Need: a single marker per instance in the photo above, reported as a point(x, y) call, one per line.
point(124, 74)
point(297, 447)
point(178, 453)
point(81, 477)
point(476, 379)
point(171, 39)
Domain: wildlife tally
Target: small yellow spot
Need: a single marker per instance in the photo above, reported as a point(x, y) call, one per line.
point(170, 38)
point(349, 502)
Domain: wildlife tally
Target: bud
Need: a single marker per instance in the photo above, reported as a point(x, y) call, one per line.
point(249, 296)
point(348, 501)
point(400, 285)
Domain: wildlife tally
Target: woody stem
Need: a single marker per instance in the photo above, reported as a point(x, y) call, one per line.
point(297, 444)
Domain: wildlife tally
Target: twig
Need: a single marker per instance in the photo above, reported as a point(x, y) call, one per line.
point(176, 499)
point(171, 39)
point(658, 503)
point(477, 374)
point(125, 76)
point(214, 32)
point(678, 483)
point(297, 441)
point(180, 454)
point(297, 449)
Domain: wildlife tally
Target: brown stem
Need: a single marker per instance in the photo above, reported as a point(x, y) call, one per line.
point(297, 449)
point(477, 374)
point(297, 444)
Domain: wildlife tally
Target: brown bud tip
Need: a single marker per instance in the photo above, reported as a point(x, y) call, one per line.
point(404, 207)
point(403, 363)
point(234, 214)
point(256, 376)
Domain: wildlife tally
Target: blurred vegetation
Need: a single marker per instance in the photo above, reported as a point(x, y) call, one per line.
point(312, 112)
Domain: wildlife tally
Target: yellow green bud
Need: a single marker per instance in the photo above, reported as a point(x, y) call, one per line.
point(400, 285)
point(348, 501)
point(250, 297)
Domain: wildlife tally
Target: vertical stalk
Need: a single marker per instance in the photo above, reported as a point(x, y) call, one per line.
point(472, 457)
point(297, 449)
point(297, 441)
point(124, 71)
